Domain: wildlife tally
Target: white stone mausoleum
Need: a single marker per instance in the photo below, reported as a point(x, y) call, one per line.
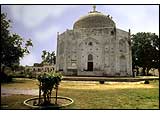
point(94, 47)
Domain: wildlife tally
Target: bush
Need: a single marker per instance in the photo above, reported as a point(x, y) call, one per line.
point(150, 74)
point(5, 78)
point(101, 82)
point(48, 81)
point(17, 75)
point(146, 82)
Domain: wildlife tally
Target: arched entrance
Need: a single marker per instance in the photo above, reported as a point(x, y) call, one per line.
point(90, 63)
point(123, 65)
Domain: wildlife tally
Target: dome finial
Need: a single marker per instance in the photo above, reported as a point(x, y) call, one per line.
point(94, 8)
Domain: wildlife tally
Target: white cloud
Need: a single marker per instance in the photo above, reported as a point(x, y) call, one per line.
point(15, 11)
point(29, 59)
point(46, 34)
point(138, 18)
point(32, 16)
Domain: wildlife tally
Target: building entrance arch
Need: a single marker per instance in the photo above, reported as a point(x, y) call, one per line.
point(90, 62)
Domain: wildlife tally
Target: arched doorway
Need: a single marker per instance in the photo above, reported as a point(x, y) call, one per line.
point(123, 65)
point(90, 63)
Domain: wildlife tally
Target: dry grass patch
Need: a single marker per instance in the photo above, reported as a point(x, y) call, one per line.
point(22, 83)
point(92, 95)
point(106, 86)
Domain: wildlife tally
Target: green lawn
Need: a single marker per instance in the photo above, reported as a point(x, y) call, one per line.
point(92, 95)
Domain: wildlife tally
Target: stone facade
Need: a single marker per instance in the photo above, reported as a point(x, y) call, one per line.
point(95, 47)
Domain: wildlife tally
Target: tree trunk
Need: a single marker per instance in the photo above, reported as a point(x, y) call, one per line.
point(39, 100)
point(56, 94)
point(143, 71)
point(137, 71)
point(45, 97)
point(148, 71)
point(3, 69)
point(50, 97)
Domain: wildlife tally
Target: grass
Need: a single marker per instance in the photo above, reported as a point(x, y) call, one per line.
point(14, 101)
point(92, 95)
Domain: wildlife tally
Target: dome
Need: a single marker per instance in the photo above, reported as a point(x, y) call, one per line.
point(94, 19)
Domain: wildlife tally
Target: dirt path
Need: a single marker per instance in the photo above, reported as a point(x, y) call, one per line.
point(8, 92)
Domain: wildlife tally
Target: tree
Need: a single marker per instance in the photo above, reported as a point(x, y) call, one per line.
point(44, 52)
point(48, 57)
point(13, 47)
point(48, 81)
point(145, 51)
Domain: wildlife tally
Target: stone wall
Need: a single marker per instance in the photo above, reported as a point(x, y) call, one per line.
point(109, 48)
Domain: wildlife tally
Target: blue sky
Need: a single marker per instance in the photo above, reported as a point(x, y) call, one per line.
point(42, 22)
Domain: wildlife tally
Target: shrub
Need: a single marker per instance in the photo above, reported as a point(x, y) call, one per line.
point(48, 81)
point(5, 78)
point(146, 82)
point(101, 82)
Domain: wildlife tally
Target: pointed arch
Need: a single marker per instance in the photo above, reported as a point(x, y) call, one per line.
point(122, 45)
point(89, 40)
point(123, 64)
point(90, 57)
point(90, 62)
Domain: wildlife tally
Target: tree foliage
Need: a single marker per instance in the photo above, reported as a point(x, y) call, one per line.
point(145, 51)
point(13, 47)
point(48, 81)
point(48, 57)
